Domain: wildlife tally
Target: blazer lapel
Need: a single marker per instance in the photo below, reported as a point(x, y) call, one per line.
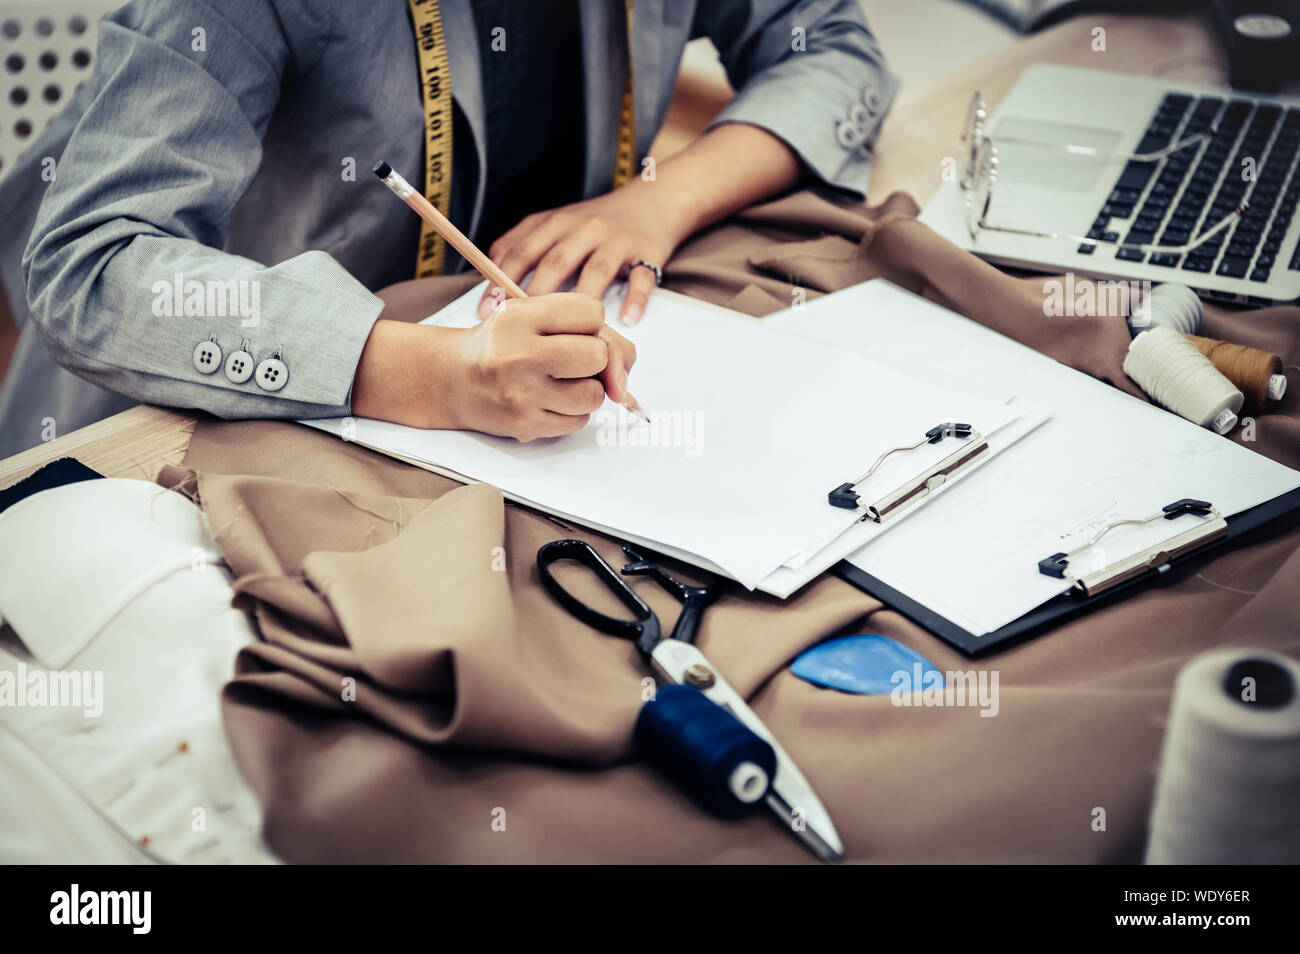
point(604, 56)
point(467, 86)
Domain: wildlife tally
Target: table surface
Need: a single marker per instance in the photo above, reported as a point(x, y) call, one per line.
point(920, 132)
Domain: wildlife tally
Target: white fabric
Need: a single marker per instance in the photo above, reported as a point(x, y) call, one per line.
point(116, 584)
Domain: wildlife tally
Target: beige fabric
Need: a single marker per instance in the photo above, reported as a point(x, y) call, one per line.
point(475, 693)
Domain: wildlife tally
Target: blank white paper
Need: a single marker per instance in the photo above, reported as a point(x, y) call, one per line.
point(750, 429)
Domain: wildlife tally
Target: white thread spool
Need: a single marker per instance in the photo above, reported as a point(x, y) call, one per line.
point(1229, 785)
point(1169, 368)
point(1167, 306)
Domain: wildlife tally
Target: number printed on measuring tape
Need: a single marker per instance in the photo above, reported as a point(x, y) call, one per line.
point(435, 81)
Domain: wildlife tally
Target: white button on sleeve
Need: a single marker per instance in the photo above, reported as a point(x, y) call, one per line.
point(239, 366)
point(272, 374)
point(861, 120)
point(207, 356)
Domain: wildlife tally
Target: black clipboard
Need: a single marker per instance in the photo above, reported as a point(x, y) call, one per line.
point(1061, 608)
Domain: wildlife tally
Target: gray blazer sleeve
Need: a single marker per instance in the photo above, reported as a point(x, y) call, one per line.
point(810, 73)
point(142, 201)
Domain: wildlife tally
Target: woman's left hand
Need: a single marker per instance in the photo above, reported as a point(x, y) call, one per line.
point(597, 240)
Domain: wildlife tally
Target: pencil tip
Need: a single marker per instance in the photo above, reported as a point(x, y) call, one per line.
point(634, 407)
point(382, 169)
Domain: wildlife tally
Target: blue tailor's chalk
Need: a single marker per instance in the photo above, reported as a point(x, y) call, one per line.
point(864, 665)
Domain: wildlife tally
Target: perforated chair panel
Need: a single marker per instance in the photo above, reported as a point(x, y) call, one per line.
point(47, 50)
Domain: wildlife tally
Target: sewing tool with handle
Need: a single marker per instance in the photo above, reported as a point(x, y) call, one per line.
point(459, 241)
point(676, 660)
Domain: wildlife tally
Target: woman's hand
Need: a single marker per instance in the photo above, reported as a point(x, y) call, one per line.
point(598, 240)
point(729, 167)
point(537, 367)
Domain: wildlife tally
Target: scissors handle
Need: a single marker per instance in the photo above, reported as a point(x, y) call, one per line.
point(688, 623)
point(694, 599)
point(643, 629)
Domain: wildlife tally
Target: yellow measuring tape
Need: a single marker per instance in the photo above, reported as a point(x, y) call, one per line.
point(625, 158)
point(435, 80)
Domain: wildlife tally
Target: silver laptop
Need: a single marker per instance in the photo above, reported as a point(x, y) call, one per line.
point(1114, 176)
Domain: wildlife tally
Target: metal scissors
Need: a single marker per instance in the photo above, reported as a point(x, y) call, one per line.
point(675, 659)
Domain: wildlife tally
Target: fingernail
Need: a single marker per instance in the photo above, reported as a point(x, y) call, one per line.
point(622, 384)
point(631, 316)
point(490, 303)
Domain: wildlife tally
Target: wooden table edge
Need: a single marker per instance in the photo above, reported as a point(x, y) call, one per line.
point(137, 442)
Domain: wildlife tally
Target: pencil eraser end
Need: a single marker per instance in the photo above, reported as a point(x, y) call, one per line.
point(382, 169)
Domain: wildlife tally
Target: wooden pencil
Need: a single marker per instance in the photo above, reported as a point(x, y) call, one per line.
point(461, 243)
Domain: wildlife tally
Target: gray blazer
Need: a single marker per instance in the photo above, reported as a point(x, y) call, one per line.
point(219, 191)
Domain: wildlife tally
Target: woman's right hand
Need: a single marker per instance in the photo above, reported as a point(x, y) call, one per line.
point(538, 367)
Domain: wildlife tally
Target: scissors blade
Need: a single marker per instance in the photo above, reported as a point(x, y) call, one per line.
point(799, 809)
point(791, 798)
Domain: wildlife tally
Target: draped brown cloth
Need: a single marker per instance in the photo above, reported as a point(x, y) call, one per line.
point(419, 698)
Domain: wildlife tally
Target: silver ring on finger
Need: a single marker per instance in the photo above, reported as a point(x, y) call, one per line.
point(655, 270)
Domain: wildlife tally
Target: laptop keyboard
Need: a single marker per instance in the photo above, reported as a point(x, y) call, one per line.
point(1185, 194)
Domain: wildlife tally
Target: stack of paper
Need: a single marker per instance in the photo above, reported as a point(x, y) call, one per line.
point(971, 556)
point(750, 428)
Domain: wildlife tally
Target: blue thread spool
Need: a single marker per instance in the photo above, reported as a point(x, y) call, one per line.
point(705, 750)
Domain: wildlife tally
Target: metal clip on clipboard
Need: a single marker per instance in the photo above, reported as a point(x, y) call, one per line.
point(923, 484)
point(1155, 557)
